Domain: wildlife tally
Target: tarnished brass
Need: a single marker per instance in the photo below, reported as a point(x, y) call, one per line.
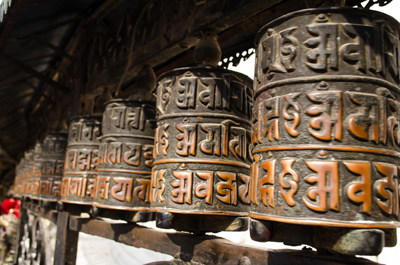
point(54, 146)
point(81, 160)
point(326, 123)
point(27, 174)
point(19, 175)
point(126, 155)
point(201, 149)
point(36, 171)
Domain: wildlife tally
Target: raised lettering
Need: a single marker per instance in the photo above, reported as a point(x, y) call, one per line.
point(327, 181)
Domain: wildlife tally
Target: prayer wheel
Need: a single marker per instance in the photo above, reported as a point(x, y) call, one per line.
point(81, 160)
point(126, 156)
point(18, 179)
point(27, 174)
point(326, 120)
point(201, 149)
point(36, 171)
point(54, 146)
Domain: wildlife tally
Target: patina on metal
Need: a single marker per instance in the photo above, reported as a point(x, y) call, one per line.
point(201, 150)
point(18, 179)
point(126, 155)
point(54, 146)
point(36, 170)
point(81, 160)
point(27, 173)
point(326, 123)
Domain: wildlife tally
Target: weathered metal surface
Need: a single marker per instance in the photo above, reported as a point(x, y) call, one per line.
point(81, 160)
point(54, 146)
point(326, 120)
point(18, 187)
point(201, 223)
point(203, 249)
point(36, 171)
point(344, 241)
point(126, 155)
point(27, 173)
point(201, 149)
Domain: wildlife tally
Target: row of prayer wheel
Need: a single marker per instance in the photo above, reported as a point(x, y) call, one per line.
point(315, 142)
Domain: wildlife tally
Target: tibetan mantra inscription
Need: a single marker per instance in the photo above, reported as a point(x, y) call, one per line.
point(36, 171)
point(81, 160)
point(202, 147)
point(126, 155)
point(326, 120)
point(19, 176)
point(54, 146)
point(27, 173)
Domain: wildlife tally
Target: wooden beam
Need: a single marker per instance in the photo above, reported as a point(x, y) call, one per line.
point(102, 11)
point(55, 48)
point(43, 30)
point(180, 37)
point(32, 59)
point(96, 17)
point(34, 73)
point(23, 219)
point(203, 249)
point(10, 20)
point(66, 242)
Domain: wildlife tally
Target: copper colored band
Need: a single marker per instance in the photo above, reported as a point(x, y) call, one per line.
point(125, 171)
point(83, 174)
point(329, 147)
point(330, 78)
point(202, 161)
point(199, 212)
point(354, 224)
point(115, 207)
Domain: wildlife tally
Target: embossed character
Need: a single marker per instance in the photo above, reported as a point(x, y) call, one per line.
point(187, 139)
point(183, 183)
point(327, 182)
point(323, 53)
point(205, 190)
point(291, 184)
point(227, 191)
point(387, 189)
point(328, 124)
point(360, 192)
point(266, 185)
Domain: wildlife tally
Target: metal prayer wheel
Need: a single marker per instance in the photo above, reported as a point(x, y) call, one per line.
point(18, 179)
point(126, 155)
point(201, 149)
point(81, 160)
point(37, 160)
point(326, 120)
point(27, 174)
point(54, 146)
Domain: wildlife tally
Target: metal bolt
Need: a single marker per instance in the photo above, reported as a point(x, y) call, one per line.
point(244, 261)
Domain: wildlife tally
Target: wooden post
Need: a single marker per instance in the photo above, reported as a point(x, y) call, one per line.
point(66, 242)
point(23, 219)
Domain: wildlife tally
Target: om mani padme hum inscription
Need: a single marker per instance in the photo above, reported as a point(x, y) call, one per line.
point(202, 146)
point(126, 155)
point(326, 119)
point(81, 160)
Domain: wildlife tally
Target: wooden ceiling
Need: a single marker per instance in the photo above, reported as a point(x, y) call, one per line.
point(57, 56)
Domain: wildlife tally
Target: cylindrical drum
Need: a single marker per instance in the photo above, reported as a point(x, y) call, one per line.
point(201, 149)
point(326, 119)
point(18, 179)
point(81, 160)
point(36, 170)
point(27, 169)
point(54, 145)
point(126, 155)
